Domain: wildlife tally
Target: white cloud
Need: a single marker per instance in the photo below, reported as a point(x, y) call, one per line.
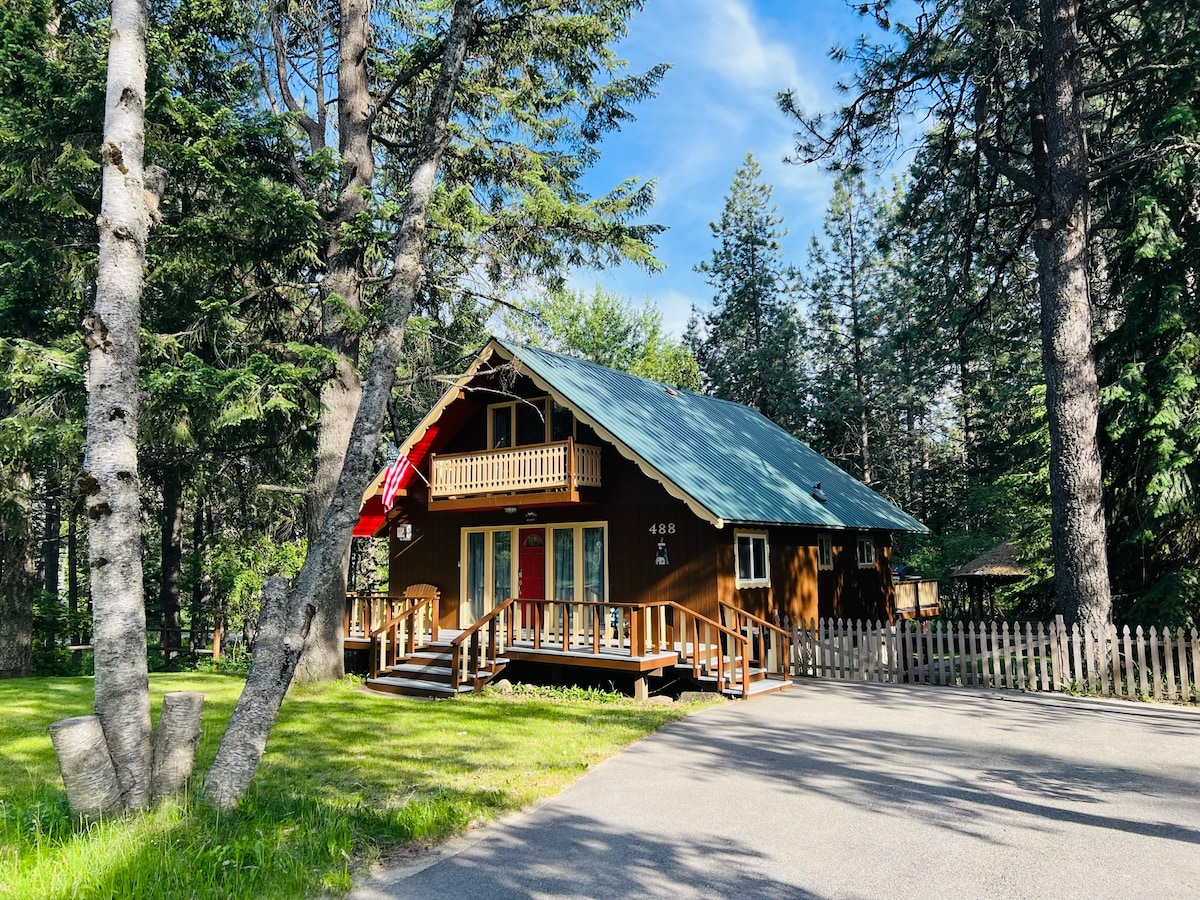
point(738, 50)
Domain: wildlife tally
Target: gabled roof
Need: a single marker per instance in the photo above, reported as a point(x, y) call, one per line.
point(724, 459)
point(727, 462)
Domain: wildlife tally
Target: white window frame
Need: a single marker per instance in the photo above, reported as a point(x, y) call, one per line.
point(762, 580)
point(866, 541)
point(825, 542)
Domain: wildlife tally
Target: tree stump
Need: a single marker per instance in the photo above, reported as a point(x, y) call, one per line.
point(175, 743)
point(86, 766)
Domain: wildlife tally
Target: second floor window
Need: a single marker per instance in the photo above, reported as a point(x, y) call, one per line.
point(824, 551)
point(518, 424)
point(521, 423)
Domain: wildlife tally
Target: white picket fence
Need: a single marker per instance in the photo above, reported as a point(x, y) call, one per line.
point(1030, 656)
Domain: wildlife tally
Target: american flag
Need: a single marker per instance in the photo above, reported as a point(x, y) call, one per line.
point(392, 478)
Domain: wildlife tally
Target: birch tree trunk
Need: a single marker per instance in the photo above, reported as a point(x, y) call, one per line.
point(245, 739)
point(109, 482)
point(323, 656)
point(1078, 530)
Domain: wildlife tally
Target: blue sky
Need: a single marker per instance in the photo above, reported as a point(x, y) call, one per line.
point(729, 59)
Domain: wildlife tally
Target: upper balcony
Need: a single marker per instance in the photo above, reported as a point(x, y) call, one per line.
point(538, 473)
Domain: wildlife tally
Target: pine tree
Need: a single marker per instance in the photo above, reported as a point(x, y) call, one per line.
point(748, 344)
point(845, 291)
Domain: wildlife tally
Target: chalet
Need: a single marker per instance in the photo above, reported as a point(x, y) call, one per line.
point(560, 514)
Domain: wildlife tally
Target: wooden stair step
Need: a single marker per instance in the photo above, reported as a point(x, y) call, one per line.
point(415, 687)
point(416, 670)
point(756, 688)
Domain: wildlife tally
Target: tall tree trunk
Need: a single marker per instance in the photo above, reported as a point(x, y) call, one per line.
point(109, 482)
point(52, 537)
point(1077, 521)
point(272, 670)
point(18, 581)
point(171, 576)
point(201, 575)
point(323, 655)
point(73, 580)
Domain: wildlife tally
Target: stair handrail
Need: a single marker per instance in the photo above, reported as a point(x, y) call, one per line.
point(743, 642)
point(785, 657)
point(460, 663)
point(393, 623)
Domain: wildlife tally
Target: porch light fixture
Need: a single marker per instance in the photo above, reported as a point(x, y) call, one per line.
point(510, 510)
point(661, 559)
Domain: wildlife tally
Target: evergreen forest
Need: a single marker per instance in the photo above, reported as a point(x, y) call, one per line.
point(1000, 316)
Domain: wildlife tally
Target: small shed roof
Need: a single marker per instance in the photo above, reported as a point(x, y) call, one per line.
point(999, 562)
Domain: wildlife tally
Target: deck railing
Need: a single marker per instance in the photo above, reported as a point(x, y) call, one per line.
point(479, 649)
point(723, 652)
point(563, 464)
point(770, 644)
point(391, 624)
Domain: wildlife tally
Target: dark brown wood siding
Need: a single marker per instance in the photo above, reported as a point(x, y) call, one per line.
point(850, 592)
point(701, 557)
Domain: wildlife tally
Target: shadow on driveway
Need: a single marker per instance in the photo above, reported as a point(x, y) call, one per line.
point(855, 790)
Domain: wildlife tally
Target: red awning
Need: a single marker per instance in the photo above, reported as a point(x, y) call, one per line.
point(371, 518)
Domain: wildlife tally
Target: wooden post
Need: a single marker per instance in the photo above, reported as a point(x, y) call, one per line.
point(1169, 659)
point(572, 484)
point(641, 688)
point(1058, 652)
point(1143, 682)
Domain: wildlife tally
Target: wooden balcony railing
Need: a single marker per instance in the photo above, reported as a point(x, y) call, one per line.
point(561, 465)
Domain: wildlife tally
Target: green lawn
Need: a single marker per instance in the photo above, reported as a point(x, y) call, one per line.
point(347, 775)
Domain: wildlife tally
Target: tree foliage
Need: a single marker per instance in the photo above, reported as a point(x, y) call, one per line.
point(606, 329)
point(748, 343)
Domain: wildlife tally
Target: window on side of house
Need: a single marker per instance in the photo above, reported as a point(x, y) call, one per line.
point(866, 552)
point(752, 566)
point(824, 551)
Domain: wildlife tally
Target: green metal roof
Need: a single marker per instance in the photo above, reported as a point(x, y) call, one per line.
point(723, 457)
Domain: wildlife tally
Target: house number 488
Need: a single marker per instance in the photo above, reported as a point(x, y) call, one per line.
point(663, 528)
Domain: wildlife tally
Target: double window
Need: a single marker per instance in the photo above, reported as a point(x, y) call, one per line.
point(752, 559)
point(524, 422)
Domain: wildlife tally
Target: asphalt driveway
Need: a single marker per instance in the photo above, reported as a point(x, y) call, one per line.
point(854, 790)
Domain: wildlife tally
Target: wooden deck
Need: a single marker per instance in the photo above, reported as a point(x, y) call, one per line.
point(740, 655)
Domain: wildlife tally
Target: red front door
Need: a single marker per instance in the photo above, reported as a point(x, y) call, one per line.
point(531, 570)
point(531, 564)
